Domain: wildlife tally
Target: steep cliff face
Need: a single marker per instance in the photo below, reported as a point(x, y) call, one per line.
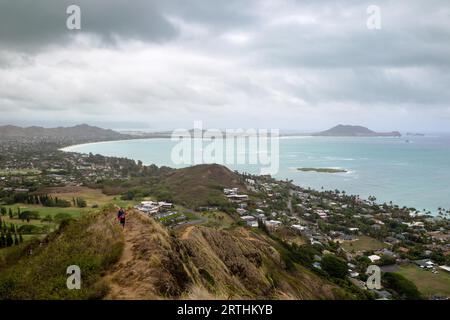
point(240, 264)
point(204, 263)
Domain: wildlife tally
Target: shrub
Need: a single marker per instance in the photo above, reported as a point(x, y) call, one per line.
point(29, 229)
point(61, 216)
point(334, 266)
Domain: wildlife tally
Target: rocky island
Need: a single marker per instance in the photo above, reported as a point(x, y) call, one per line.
point(354, 131)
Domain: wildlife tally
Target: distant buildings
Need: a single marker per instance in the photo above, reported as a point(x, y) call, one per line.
point(374, 258)
point(233, 196)
point(152, 208)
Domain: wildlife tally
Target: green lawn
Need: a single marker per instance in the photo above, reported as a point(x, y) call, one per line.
point(364, 243)
point(44, 211)
point(427, 282)
point(91, 196)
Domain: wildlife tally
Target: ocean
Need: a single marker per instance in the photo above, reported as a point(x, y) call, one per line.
point(409, 171)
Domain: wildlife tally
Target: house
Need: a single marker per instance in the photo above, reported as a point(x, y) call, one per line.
point(417, 224)
point(386, 252)
point(250, 181)
point(424, 263)
point(261, 216)
point(298, 227)
point(273, 224)
point(374, 258)
point(165, 205)
point(149, 207)
point(322, 214)
point(241, 211)
point(392, 240)
point(253, 224)
point(237, 198)
point(445, 268)
point(230, 191)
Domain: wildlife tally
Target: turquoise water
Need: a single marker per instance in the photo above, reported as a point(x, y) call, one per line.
point(415, 174)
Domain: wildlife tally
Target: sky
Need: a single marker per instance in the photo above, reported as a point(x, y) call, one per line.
point(275, 64)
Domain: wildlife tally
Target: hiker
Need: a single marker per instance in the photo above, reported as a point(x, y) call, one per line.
point(121, 217)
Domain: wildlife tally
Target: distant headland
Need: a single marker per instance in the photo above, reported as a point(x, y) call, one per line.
point(355, 131)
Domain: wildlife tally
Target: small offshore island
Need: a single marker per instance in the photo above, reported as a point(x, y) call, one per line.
point(323, 170)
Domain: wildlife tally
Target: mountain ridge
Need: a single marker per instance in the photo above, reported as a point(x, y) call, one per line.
point(77, 131)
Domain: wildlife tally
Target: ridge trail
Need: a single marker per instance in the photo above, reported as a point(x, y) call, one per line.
point(132, 278)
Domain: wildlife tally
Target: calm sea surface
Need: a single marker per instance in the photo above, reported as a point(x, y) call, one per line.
point(414, 174)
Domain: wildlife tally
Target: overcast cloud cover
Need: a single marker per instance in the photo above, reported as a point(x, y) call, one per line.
point(301, 65)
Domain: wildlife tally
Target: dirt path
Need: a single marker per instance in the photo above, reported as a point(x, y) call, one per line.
point(130, 278)
point(187, 232)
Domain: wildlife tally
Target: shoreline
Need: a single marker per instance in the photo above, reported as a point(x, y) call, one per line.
point(71, 149)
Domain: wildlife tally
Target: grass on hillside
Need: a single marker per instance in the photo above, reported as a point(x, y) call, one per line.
point(217, 219)
point(44, 211)
point(427, 282)
point(93, 242)
point(364, 243)
point(91, 196)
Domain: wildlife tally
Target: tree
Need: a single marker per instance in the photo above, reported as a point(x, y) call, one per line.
point(81, 203)
point(386, 260)
point(334, 266)
point(9, 240)
point(10, 213)
point(3, 211)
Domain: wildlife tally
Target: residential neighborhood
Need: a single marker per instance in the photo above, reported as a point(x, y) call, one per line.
point(362, 232)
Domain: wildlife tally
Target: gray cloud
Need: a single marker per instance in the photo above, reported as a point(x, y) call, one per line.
point(29, 24)
point(285, 63)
